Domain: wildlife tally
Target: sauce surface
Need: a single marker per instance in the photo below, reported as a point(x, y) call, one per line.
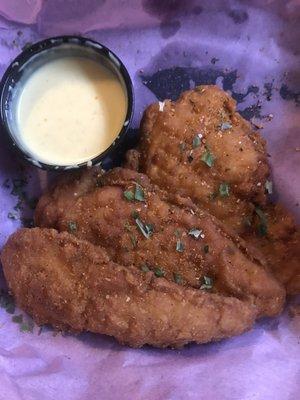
point(70, 110)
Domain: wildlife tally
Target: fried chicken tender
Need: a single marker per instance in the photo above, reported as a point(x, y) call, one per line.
point(152, 233)
point(200, 147)
point(74, 285)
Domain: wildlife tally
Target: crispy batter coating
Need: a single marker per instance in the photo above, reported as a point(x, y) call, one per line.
point(280, 246)
point(170, 159)
point(73, 285)
point(198, 143)
point(182, 245)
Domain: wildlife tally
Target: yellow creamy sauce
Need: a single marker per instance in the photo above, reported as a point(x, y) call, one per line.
point(70, 110)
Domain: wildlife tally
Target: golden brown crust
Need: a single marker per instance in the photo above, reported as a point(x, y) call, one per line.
point(104, 217)
point(73, 285)
point(241, 162)
point(169, 158)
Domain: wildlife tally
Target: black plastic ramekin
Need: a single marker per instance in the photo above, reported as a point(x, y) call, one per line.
point(39, 53)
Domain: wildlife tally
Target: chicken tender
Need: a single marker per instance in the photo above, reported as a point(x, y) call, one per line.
point(135, 223)
point(200, 147)
point(73, 285)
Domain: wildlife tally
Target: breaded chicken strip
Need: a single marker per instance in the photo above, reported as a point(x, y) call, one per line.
point(73, 285)
point(199, 146)
point(135, 223)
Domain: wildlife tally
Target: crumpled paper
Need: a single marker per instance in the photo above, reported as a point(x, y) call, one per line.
point(250, 48)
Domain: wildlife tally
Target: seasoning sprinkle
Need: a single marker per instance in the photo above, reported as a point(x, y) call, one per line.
point(145, 268)
point(197, 140)
point(208, 283)
point(196, 233)
point(129, 195)
point(161, 105)
point(182, 147)
point(17, 319)
point(177, 278)
point(179, 246)
point(139, 193)
point(224, 189)
point(269, 187)
point(208, 158)
point(225, 125)
point(146, 229)
point(72, 227)
point(27, 326)
point(262, 229)
point(159, 272)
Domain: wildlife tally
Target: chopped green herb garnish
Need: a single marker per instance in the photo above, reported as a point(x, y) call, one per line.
point(146, 229)
point(27, 326)
point(225, 125)
point(159, 272)
point(177, 278)
point(12, 216)
point(262, 228)
point(206, 248)
point(129, 195)
point(179, 246)
point(127, 226)
point(145, 268)
point(135, 214)
point(18, 319)
point(224, 189)
point(269, 187)
point(197, 141)
point(196, 233)
point(208, 158)
point(139, 193)
point(177, 232)
point(208, 283)
point(72, 227)
point(182, 147)
point(133, 240)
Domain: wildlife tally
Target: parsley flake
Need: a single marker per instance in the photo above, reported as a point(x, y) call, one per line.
point(224, 189)
point(146, 229)
point(133, 240)
point(139, 193)
point(12, 216)
point(182, 147)
point(159, 272)
point(129, 195)
point(208, 158)
point(72, 227)
point(27, 326)
point(208, 283)
point(196, 233)
point(269, 187)
point(18, 319)
point(225, 125)
point(145, 268)
point(197, 140)
point(177, 278)
point(179, 246)
point(206, 248)
point(262, 228)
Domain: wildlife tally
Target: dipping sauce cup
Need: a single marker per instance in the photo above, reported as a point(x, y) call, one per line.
point(66, 102)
